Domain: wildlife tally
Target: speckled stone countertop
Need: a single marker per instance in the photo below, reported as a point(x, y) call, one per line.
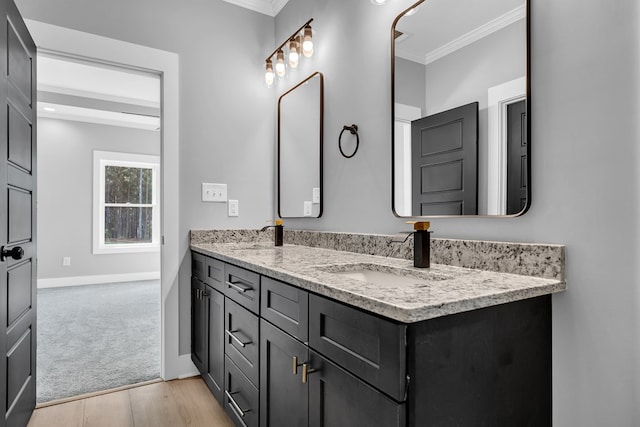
point(438, 291)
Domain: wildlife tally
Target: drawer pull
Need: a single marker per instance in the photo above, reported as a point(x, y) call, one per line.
point(239, 286)
point(234, 405)
point(306, 371)
point(236, 339)
point(295, 365)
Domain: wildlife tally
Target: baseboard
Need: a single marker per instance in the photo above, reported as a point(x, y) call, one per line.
point(57, 282)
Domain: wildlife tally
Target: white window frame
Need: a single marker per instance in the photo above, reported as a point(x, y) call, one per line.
point(102, 159)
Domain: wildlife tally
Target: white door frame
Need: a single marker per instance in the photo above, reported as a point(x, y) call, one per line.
point(499, 97)
point(404, 115)
point(72, 43)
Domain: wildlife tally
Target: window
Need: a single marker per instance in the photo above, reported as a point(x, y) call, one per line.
point(126, 214)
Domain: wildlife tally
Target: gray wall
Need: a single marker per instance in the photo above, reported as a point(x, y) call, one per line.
point(585, 183)
point(585, 67)
point(65, 197)
point(410, 83)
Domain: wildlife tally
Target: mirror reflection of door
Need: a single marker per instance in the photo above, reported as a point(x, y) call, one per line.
point(444, 151)
point(516, 157)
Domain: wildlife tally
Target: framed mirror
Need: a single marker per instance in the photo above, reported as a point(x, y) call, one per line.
point(460, 102)
point(300, 126)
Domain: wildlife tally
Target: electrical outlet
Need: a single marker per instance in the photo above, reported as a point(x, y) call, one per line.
point(233, 208)
point(214, 192)
point(308, 208)
point(316, 195)
point(66, 261)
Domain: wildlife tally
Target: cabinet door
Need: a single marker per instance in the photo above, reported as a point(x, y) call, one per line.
point(283, 396)
point(198, 325)
point(215, 367)
point(338, 399)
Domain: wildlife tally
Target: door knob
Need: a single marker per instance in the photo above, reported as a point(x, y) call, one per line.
point(16, 253)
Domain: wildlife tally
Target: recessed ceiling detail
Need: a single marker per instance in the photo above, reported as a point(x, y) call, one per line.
point(267, 7)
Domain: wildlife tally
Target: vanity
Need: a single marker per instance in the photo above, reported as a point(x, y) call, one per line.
point(300, 335)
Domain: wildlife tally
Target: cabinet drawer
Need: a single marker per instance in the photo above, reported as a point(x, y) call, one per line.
point(242, 339)
point(198, 266)
point(241, 398)
point(285, 306)
point(370, 347)
point(242, 286)
point(337, 398)
point(214, 273)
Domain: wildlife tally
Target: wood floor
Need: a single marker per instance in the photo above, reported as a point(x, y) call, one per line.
point(175, 403)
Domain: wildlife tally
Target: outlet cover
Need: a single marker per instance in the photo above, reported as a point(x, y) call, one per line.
point(214, 192)
point(308, 208)
point(66, 261)
point(316, 195)
point(233, 208)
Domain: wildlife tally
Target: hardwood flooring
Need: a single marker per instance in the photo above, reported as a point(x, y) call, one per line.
point(178, 403)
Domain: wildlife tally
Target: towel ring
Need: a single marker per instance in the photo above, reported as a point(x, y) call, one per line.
point(354, 131)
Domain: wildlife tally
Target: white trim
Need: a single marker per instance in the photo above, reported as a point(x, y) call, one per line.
point(499, 97)
point(110, 51)
point(59, 282)
point(96, 95)
point(404, 115)
point(267, 7)
point(101, 159)
point(490, 27)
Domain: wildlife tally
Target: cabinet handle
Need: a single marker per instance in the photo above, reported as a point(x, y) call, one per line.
point(235, 406)
point(239, 286)
point(306, 371)
point(295, 365)
point(197, 293)
point(236, 339)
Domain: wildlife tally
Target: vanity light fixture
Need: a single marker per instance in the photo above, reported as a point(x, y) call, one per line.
point(300, 43)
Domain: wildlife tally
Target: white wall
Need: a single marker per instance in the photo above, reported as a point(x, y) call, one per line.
point(65, 197)
point(585, 183)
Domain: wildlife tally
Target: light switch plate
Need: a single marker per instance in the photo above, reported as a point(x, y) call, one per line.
point(316, 195)
point(233, 208)
point(214, 192)
point(308, 208)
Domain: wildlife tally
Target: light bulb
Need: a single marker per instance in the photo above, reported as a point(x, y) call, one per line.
point(294, 55)
point(280, 69)
point(307, 42)
point(378, 2)
point(268, 75)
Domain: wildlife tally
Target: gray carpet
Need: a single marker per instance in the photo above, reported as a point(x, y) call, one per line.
point(97, 337)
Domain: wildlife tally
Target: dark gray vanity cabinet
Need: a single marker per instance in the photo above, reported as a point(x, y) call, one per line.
point(198, 325)
point(293, 358)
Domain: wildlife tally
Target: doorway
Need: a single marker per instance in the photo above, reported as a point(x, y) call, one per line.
point(99, 224)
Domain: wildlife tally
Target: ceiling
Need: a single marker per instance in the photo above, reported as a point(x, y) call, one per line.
point(268, 7)
point(69, 89)
point(441, 26)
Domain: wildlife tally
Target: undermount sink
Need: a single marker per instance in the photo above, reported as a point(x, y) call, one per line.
point(385, 275)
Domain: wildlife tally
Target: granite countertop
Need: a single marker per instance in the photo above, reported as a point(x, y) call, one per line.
point(438, 291)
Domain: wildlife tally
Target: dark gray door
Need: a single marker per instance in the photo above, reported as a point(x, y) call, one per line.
point(18, 217)
point(215, 343)
point(198, 325)
point(444, 162)
point(283, 396)
point(516, 157)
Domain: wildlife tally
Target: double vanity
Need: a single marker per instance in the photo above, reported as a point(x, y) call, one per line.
point(314, 333)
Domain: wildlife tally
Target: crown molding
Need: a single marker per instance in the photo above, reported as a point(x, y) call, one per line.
point(472, 36)
point(267, 7)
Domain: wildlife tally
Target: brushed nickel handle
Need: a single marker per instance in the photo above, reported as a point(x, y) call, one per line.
point(236, 339)
point(234, 405)
point(306, 371)
point(237, 286)
point(295, 365)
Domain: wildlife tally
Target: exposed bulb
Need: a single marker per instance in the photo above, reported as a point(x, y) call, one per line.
point(280, 68)
point(378, 2)
point(268, 75)
point(294, 55)
point(307, 42)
